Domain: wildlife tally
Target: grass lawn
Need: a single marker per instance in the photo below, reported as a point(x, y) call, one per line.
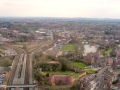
point(67, 72)
point(68, 47)
point(89, 71)
point(110, 50)
point(104, 52)
point(75, 75)
point(80, 65)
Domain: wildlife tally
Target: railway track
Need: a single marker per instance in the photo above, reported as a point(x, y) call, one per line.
point(27, 72)
point(15, 64)
point(22, 67)
point(19, 77)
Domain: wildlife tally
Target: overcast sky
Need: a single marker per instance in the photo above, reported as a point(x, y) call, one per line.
point(61, 8)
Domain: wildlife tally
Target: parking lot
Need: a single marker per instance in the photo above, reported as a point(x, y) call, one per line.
point(2, 77)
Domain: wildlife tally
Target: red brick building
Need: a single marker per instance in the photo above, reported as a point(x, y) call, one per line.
point(61, 79)
point(109, 61)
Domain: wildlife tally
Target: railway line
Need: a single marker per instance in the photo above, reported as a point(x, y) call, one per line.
point(19, 78)
point(22, 73)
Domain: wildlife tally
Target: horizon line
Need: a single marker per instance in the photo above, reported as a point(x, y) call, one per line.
point(90, 18)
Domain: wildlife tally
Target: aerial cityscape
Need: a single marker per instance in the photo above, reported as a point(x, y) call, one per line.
point(59, 54)
point(59, 45)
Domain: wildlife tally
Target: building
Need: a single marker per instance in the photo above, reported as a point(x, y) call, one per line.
point(61, 79)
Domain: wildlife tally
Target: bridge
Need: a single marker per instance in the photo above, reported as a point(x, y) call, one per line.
point(17, 86)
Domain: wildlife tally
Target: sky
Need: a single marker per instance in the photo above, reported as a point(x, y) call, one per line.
point(61, 8)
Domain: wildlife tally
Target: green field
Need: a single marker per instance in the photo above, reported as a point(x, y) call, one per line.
point(75, 75)
point(80, 65)
point(89, 71)
point(68, 47)
point(110, 50)
point(104, 52)
point(67, 72)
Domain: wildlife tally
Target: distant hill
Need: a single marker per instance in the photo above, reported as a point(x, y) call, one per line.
point(61, 18)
